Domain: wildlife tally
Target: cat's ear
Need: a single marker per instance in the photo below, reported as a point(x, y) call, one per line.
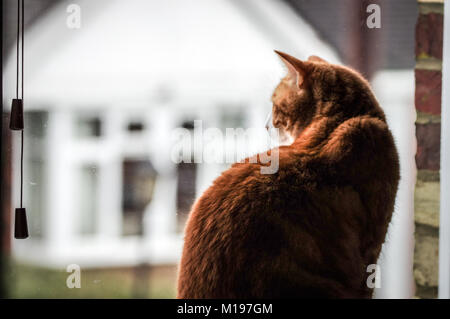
point(315, 58)
point(296, 68)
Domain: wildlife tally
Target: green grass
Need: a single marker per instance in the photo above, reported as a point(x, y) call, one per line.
point(25, 281)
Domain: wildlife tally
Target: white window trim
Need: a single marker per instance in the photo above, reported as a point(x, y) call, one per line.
point(444, 233)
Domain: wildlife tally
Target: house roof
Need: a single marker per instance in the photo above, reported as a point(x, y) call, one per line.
point(127, 51)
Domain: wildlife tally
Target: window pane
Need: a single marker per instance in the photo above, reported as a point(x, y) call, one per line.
point(88, 195)
point(35, 181)
point(138, 182)
point(186, 174)
point(88, 127)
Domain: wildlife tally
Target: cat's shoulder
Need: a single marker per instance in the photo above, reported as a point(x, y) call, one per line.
point(362, 132)
point(263, 174)
point(362, 124)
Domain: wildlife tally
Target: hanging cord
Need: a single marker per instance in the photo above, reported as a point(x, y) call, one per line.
point(21, 169)
point(17, 48)
point(21, 135)
point(19, 66)
point(16, 122)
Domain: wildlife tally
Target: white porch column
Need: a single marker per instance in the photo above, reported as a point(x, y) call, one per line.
point(59, 217)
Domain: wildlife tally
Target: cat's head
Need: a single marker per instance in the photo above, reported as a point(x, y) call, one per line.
point(315, 89)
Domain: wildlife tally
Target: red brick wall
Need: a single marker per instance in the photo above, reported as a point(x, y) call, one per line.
point(428, 72)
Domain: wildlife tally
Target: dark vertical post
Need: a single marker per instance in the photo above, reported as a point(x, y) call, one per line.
point(2, 211)
point(5, 199)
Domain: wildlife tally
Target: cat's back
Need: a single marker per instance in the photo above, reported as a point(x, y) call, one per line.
point(298, 232)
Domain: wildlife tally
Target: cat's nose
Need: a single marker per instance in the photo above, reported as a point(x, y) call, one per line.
point(269, 121)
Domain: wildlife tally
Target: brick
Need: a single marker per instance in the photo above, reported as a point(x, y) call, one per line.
point(428, 146)
point(426, 200)
point(429, 63)
point(425, 175)
point(431, 7)
point(424, 118)
point(428, 91)
point(430, 1)
point(426, 256)
point(429, 35)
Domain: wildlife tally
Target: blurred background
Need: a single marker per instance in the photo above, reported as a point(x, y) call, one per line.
point(103, 97)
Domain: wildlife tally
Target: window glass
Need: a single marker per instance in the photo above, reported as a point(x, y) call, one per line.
point(88, 126)
point(87, 211)
point(138, 182)
point(36, 170)
point(105, 99)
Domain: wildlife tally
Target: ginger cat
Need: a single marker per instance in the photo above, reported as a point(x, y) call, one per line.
point(311, 229)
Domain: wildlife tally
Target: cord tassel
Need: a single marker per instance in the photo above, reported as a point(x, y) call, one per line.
point(21, 225)
point(16, 120)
